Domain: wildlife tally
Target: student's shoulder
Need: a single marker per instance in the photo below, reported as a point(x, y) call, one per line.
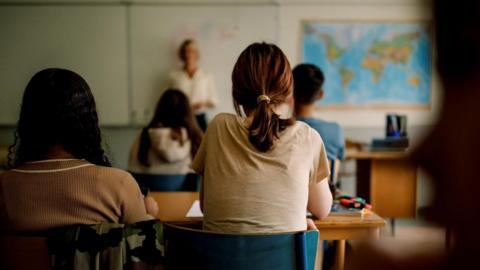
point(159, 131)
point(307, 133)
point(222, 119)
point(115, 177)
point(330, 124)
point(303, 128)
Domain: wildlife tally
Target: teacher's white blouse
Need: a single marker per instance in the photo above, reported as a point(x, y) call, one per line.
point(199, 88)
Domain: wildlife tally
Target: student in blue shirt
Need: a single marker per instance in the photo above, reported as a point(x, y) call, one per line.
point(308, 81)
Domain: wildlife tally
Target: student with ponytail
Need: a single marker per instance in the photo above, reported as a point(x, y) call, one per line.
point(261, 169)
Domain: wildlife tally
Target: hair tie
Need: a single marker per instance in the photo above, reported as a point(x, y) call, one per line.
point(263, 98)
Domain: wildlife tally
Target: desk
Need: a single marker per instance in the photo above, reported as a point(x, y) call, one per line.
point(388, 180)
point(174, 205)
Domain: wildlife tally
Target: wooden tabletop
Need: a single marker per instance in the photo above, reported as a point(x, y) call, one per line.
point(173, 206)
point(366, 154)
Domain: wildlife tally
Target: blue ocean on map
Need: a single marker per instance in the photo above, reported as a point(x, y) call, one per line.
point(371, 63)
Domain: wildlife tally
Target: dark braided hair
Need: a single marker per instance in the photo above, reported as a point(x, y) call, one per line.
point(58, 108)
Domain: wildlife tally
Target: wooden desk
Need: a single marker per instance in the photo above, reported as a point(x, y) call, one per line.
point(342, 228)
point(388, 180)
point(173, 207)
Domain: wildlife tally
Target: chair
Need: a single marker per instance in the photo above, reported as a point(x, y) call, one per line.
point(166, 182)
point(107, 246)
point(23, 252)
point(188, 248)
point(333, 180)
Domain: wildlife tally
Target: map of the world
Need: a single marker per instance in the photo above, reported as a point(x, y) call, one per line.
point(371, 64)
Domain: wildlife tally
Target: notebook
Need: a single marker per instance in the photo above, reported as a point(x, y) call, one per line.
point(339, 210)
point(195, 210)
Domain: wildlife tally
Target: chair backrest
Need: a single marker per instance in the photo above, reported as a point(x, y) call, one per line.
point(107, 246)
point(23, 252)
point(187, 248)
point(166, 182)
point(333, 180)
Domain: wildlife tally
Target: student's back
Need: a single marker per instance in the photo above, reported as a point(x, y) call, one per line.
point(59, 173)
point(246, 190)
point(167, 143)
point(260, 172)
point(165, 155)
point(332, 135)
point(309, 80)
point(46, 194)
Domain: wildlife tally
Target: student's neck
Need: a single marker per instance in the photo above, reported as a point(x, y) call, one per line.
point(306, 110)
point(57, 152)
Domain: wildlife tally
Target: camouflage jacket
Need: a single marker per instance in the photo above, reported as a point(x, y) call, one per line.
point(107, 246)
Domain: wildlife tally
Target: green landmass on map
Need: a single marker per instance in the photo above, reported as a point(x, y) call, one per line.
point(346, 75)
point(398, 50)
point(334, 51)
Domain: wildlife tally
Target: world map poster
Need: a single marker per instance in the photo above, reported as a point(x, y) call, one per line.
point(386, 65)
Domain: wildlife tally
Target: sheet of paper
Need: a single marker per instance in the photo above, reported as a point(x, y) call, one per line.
point(195, 210)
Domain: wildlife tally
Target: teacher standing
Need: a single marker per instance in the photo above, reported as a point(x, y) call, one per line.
point(195, 82)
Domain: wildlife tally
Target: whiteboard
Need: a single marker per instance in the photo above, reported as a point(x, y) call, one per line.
point(222, 32)
point(91, 40)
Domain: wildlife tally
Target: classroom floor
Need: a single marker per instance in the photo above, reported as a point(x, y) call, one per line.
point(419, 234)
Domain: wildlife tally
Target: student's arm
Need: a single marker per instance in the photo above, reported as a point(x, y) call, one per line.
point(133, 203)
point(198, 164)
point(319, 195)
point(319, 199)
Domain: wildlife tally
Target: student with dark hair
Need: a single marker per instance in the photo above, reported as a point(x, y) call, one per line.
point(195, 82)
point(261, 169)
point(59, 172)
point(171, 139)
point(308, 82)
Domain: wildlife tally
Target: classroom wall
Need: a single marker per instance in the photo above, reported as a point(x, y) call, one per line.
point(125, 48)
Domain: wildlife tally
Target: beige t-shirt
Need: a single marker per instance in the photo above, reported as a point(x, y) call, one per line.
point(248, 191)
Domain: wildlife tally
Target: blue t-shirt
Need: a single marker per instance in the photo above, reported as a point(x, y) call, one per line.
point(332, 135)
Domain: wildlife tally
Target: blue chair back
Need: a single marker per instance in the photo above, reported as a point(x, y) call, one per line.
point(187, 248)
point(166, 182)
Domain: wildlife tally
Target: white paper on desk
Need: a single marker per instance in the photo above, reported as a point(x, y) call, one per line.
point(195, 210)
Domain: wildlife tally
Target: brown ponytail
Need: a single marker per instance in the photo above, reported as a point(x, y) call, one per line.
point(262, 70)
